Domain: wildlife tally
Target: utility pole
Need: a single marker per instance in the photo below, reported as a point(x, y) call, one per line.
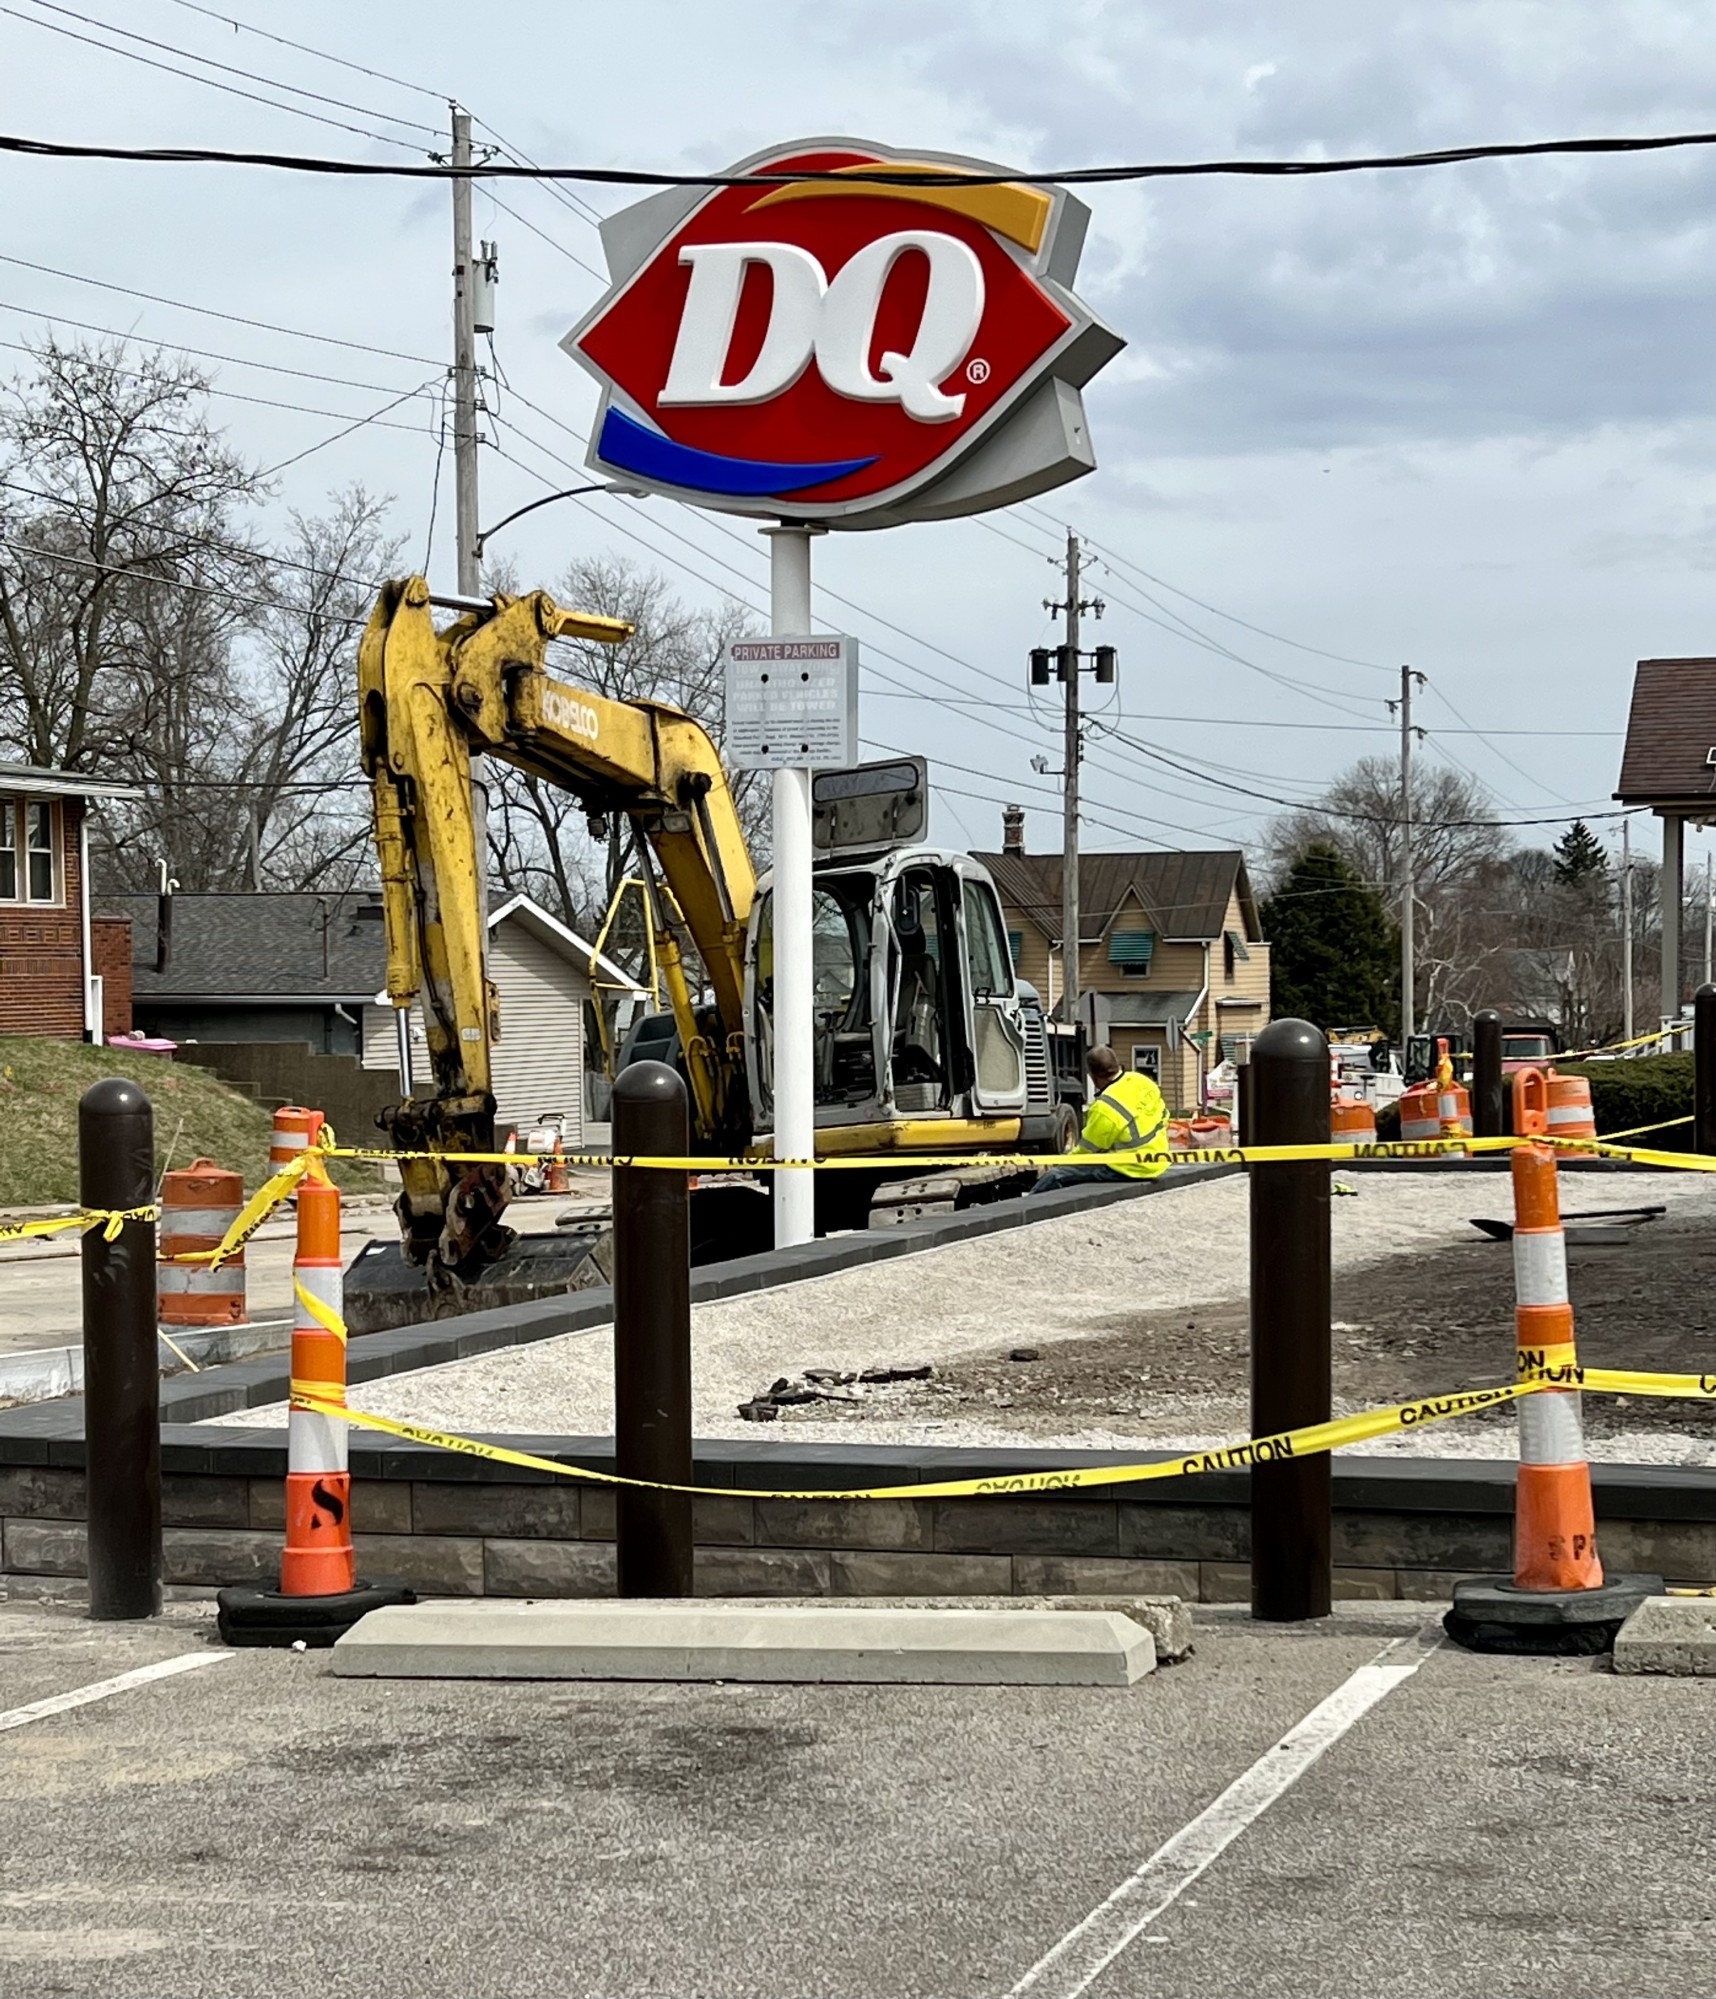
point(464, 366)
point(1069, 799)
point(1626, 930)
point(1067, 670)
point(1408, 996)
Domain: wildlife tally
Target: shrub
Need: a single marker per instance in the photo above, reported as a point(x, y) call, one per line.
point(1644, 1091)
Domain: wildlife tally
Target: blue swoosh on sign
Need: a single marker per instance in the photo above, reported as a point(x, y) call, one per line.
point(631, 447)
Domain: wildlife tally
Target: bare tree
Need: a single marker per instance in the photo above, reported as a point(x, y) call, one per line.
point(540, 840)
point(1460, 854)
point(119, 498)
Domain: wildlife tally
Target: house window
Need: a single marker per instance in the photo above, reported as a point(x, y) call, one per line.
point(1233, 953)
point(1130, 952)
point(1148, 1061)
point(1015, 945)
point(28, 850)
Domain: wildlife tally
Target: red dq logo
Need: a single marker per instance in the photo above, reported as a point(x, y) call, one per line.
point(845, 351)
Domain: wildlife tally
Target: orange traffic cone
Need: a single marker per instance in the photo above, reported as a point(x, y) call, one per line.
point(319, 1598)
point(318, 1559)
point(1558, 1598)
point(559, 1179)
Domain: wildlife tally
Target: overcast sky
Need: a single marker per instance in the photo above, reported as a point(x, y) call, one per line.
point(1464, 417)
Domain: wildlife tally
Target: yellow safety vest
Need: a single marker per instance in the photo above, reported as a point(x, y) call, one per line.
point(1130, 1114)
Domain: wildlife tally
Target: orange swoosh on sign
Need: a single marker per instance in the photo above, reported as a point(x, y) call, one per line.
point(1019, 213)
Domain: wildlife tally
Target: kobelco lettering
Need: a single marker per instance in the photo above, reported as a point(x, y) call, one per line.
point(566, 712)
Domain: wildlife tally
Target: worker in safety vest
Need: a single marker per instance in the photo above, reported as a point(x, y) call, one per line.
point(1128, 1119)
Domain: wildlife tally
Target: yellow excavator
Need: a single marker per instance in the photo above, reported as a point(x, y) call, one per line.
point(924, 1040)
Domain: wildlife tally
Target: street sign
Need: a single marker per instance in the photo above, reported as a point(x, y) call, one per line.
point(870, 805)
point(841, 350)
point(792, 703)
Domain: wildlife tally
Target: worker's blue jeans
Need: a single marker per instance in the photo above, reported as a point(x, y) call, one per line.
point(1076, 1176)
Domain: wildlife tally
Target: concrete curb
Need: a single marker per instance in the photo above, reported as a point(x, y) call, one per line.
point(1672, 1635)
point(798, 1644)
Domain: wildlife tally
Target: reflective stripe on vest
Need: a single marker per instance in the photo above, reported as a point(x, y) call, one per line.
point(1131, 1139)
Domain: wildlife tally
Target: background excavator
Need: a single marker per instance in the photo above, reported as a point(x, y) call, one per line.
point(924, 1041)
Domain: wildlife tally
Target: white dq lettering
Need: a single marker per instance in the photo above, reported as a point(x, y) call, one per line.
point(834, 322)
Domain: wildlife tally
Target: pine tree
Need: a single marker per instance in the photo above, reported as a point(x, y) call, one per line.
point(1579, 855)
point(1333, 950)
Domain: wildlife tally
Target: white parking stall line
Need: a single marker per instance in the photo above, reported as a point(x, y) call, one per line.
point(99, 1690)
point(1087, 1949)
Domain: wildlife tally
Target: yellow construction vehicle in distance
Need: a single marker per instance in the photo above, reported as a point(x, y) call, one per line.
point(924, 1040)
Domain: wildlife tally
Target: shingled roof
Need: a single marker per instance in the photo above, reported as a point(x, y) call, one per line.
point(1187, 894)
point(1671, 735)
point(262, 947)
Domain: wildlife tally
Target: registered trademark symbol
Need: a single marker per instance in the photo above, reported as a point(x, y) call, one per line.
point(977, 371)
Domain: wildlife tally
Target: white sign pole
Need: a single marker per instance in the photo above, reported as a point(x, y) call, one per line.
point(794, 1018)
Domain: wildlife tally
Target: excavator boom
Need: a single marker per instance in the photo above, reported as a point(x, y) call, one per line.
point(432, 699)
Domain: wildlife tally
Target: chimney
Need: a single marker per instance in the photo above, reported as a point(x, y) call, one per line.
point(1012, 829)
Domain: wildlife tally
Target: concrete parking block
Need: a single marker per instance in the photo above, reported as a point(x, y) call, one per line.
point(1669, 1634)
point(792, 1644)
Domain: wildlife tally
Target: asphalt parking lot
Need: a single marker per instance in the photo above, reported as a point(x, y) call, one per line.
point(255, 1826)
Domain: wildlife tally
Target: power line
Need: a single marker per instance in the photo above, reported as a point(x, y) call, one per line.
point(227, 69)
point(879, 176)
point(303, 48)
point(199, 353)
point(1215, 610)
point(209, 312)
point(543, 235)
point(360, 423)
point(236, 396)
point(189, 76)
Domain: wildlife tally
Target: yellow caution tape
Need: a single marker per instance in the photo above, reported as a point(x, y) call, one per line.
point(1307, 1442)
point(109, 1220)
point(252, 1215)
point(1535, 1361)
point(324, 1314)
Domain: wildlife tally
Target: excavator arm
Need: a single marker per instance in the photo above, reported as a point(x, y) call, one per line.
point(429, 701)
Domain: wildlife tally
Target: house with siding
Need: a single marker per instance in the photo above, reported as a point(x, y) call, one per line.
point(548, 1060)
point(1173, 965)
point(307, 972)
point(64, 970)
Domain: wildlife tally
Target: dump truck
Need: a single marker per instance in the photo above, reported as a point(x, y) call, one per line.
point(924, 1041)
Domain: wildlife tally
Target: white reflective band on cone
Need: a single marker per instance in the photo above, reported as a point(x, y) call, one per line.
point(1550, 1429)
point(176, 1279)
point(290, 1141)
point(315, 1443)
point(1539, 1267)
point(1569, 1113)
point(211, 1222)
point(323, 1282)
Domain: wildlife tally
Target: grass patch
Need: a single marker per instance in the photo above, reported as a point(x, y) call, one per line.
point(197, 1116)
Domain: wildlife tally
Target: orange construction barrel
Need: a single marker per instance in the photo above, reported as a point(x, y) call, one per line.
point(199, 1203)
point(1352, 1121)
point(295, 1128)
point(1420, 1112)
point(1570, 1112)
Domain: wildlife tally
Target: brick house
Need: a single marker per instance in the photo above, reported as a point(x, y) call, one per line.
point(63, 972)
point(1173, 967)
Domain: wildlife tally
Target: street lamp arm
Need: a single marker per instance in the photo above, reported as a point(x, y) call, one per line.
point(547, 500)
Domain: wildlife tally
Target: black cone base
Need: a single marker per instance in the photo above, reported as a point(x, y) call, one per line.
point(253, 1616)
point(1492, 1614)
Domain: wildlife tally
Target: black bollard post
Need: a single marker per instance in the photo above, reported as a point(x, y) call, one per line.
point(1704, 1069)
point(121, 1370)
point(1290, 1386)
point(652, 1332)
point(1489, 1099)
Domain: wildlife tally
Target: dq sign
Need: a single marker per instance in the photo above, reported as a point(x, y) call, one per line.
point(843, 351)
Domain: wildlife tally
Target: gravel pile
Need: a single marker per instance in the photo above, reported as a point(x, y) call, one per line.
point(1051, 1281)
